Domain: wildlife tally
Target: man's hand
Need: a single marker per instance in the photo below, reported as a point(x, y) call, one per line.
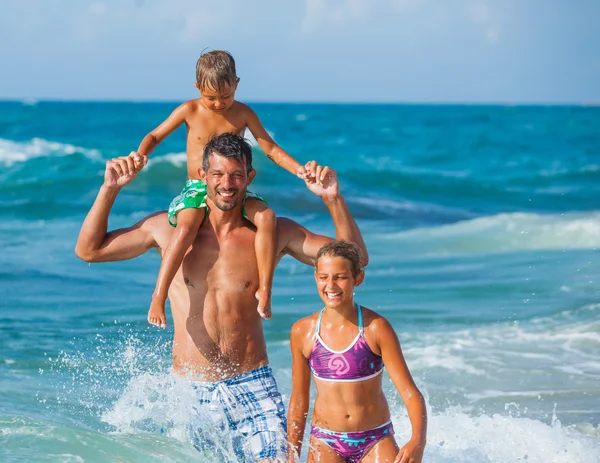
point(322, 180)
point(121, 171)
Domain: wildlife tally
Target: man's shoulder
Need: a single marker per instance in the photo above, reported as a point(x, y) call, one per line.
point(156, 222)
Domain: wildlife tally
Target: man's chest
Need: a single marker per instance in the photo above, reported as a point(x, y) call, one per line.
point(229, 262)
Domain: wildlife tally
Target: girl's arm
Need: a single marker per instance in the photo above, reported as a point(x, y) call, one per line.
point(391, 352)
point(299, 400)
point(165, 129)
point(272, 149)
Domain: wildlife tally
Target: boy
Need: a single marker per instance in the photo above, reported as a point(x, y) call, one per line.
point(214, 113)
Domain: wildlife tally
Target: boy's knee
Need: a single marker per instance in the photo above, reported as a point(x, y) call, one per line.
point(266, 219)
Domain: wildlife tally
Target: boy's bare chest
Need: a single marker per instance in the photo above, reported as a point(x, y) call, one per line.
point(202, 130)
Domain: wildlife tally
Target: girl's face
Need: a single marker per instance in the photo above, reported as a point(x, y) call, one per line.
point(335, 282)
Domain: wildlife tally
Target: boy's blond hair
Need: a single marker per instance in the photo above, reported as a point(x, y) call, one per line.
point(215, 69)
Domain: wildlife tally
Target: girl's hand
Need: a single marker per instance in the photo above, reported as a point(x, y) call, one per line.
point(412, 452)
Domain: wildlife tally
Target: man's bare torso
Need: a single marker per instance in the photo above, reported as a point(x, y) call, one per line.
point(203, 125)
point(218, 331)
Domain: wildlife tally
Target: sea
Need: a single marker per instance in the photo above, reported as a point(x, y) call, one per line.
point(483, 228)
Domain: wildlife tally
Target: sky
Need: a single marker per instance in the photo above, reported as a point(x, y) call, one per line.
point(426, 51)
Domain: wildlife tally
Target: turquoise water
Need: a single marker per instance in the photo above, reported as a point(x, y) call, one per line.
point(483, 225)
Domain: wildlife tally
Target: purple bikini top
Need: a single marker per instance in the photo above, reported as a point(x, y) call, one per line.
point(355, 363)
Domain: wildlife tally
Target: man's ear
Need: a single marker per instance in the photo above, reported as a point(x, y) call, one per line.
point(202, 175)
point(251, 176)
point(237, 82)
point(196, 85)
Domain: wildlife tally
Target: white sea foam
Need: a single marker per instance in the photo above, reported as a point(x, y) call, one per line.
point(177, 159)
point(458, 437)
point(504, 233)
point(248, 136)
point(154, 402)
point(12, 152)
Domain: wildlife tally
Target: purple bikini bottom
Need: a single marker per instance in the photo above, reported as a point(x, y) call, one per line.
point(352, 446)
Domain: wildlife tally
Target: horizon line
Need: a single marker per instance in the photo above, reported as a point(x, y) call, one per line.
point(32, 101)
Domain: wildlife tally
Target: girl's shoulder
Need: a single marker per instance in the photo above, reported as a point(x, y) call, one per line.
point(371, 319)
point(375, 326)
point(305, 325)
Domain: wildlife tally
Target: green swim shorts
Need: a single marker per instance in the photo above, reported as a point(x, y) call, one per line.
point(193, 196)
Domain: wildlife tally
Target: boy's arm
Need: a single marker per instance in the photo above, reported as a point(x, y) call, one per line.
point(94, 244)
point(272, 149)
point(396, 366)
point(302, 244)
point(299, 399)
point(177, 117)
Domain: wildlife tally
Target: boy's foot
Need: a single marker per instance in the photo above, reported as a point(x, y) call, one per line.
point(156, 314)
point(264, 303)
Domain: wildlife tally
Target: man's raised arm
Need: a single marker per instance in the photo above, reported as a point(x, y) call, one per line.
point(303, 244)
point(94, 243)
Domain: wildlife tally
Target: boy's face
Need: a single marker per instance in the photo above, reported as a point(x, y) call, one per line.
point(218, 101)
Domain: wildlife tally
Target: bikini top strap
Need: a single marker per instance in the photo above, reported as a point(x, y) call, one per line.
point(360, 319)
point(319, 321)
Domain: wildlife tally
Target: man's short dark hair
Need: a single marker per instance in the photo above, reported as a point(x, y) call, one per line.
point(228, 145)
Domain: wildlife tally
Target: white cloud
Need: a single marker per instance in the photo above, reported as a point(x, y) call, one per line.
point(329, 13)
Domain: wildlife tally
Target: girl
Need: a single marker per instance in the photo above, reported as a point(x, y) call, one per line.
point(346, 346)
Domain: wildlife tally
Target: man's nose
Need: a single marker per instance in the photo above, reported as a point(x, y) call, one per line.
point(227, 181)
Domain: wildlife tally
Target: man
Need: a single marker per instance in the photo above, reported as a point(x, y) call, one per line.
point(218, 339)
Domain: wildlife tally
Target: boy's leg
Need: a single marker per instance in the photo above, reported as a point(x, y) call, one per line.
point(188, 223)
point(265, 245)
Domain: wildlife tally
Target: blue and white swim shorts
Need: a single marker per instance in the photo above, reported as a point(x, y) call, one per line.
point(243, 414)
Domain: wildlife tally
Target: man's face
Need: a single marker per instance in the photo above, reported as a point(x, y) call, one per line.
point(226, 181)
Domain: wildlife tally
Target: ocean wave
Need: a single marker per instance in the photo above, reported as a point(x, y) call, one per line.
point(502, 233)
point(565, 342)
point(12, 152)
point(175, 159)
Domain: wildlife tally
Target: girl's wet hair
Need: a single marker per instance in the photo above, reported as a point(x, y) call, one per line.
point(215, 69)
point(342, 248)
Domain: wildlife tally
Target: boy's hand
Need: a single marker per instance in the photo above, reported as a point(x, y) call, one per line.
point(138, 159)
point(122, 170)
point(302, 173)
